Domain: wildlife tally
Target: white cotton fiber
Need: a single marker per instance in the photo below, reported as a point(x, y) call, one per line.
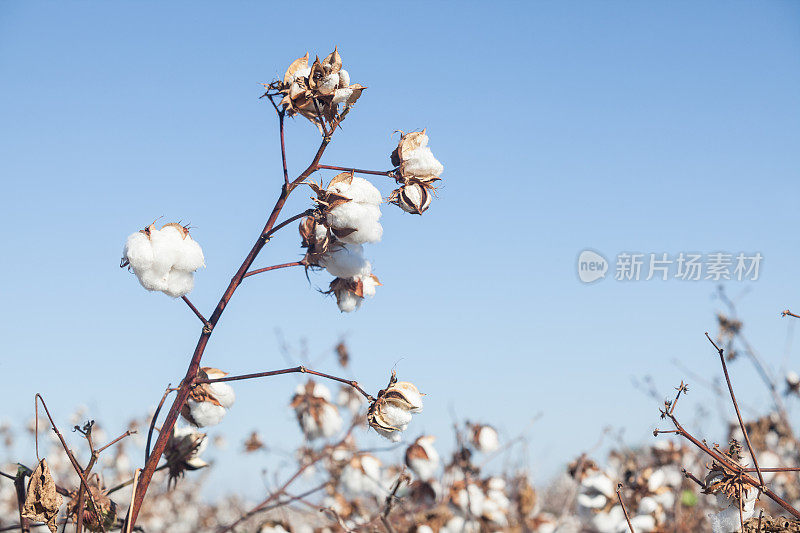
point(222, 392)
point(138, 251)
point(369, 285)
point(179, 283)
point(344, 78)
point(328, 84)
point(359, 190)
point(344, 260)
point(361, 217)
point(396, 416)
point(421, 162)
point(340, 96)
point(191, 256)
point(205, 413)
point(330, 421)
point(725, 521)
point(348, 302)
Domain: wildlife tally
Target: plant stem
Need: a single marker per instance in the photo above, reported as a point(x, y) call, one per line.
point(194, 364)
point(387, 173)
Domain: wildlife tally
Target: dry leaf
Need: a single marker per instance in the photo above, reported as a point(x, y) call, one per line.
point(42, 500)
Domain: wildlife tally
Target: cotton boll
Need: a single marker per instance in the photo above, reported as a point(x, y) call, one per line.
point(302, 73)
point(205, 413)
point(167, 243)
point(396, 416)
point(644, 523)
point(345, 261)
point(321, 391)
point(328, 84)
point(179, 283)
point(421, 162)
point(348, 301)
point(487, 439)
point(344, 78)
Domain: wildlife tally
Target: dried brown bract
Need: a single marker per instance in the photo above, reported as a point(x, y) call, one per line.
point(42, 500)
point(317, 91)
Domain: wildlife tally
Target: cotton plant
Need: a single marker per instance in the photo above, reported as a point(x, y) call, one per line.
point(165, 259)
point(343, 218)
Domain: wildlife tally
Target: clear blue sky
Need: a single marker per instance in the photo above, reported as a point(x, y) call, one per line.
point(615, 126)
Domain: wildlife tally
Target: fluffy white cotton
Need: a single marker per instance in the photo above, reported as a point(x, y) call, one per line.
point(277, 528)
point(206, 413)
point(223, 393)
point(458, 524)
point(359, 190)
point(349, 399)
point(345, 260)
point(472, 498)
point(396, 416)
point(393, 436)
point(165, 261)
point(361, 217)
point(369, 285)
point(327, 426)
point(340, 96)
point(179, 283)
point(329, 83)
point(726, 521)
point(344, 78)
point(421, 162)
point(425, 469)
point(348, 301)
point(487, 439)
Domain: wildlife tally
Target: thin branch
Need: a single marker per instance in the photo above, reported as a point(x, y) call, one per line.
point(789, 313)
point(294, 370)
point(624, 510)
point(273, 267)
point(19, 485)
point(387, 173)
point(153, 421)
point(113, 442)
point(195, 311)
point(736, 407)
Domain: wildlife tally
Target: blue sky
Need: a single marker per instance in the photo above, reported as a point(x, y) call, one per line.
point(615, 126)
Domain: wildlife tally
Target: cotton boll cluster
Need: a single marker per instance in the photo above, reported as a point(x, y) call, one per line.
point(416, 172)
point(317, 91)
point(391, 412)
point(348, 214)
point(164, 260)
point(208, 402)
point(317, 416)
point(422, 458)
point(484, 438)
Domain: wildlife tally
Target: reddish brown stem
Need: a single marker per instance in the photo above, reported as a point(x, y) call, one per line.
point(273, 267)
point(195, 311)
point(358, 170)
point(19, 485)
point(294, 370)
point(789, 313)
point(281, 116)
point(194, 365)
